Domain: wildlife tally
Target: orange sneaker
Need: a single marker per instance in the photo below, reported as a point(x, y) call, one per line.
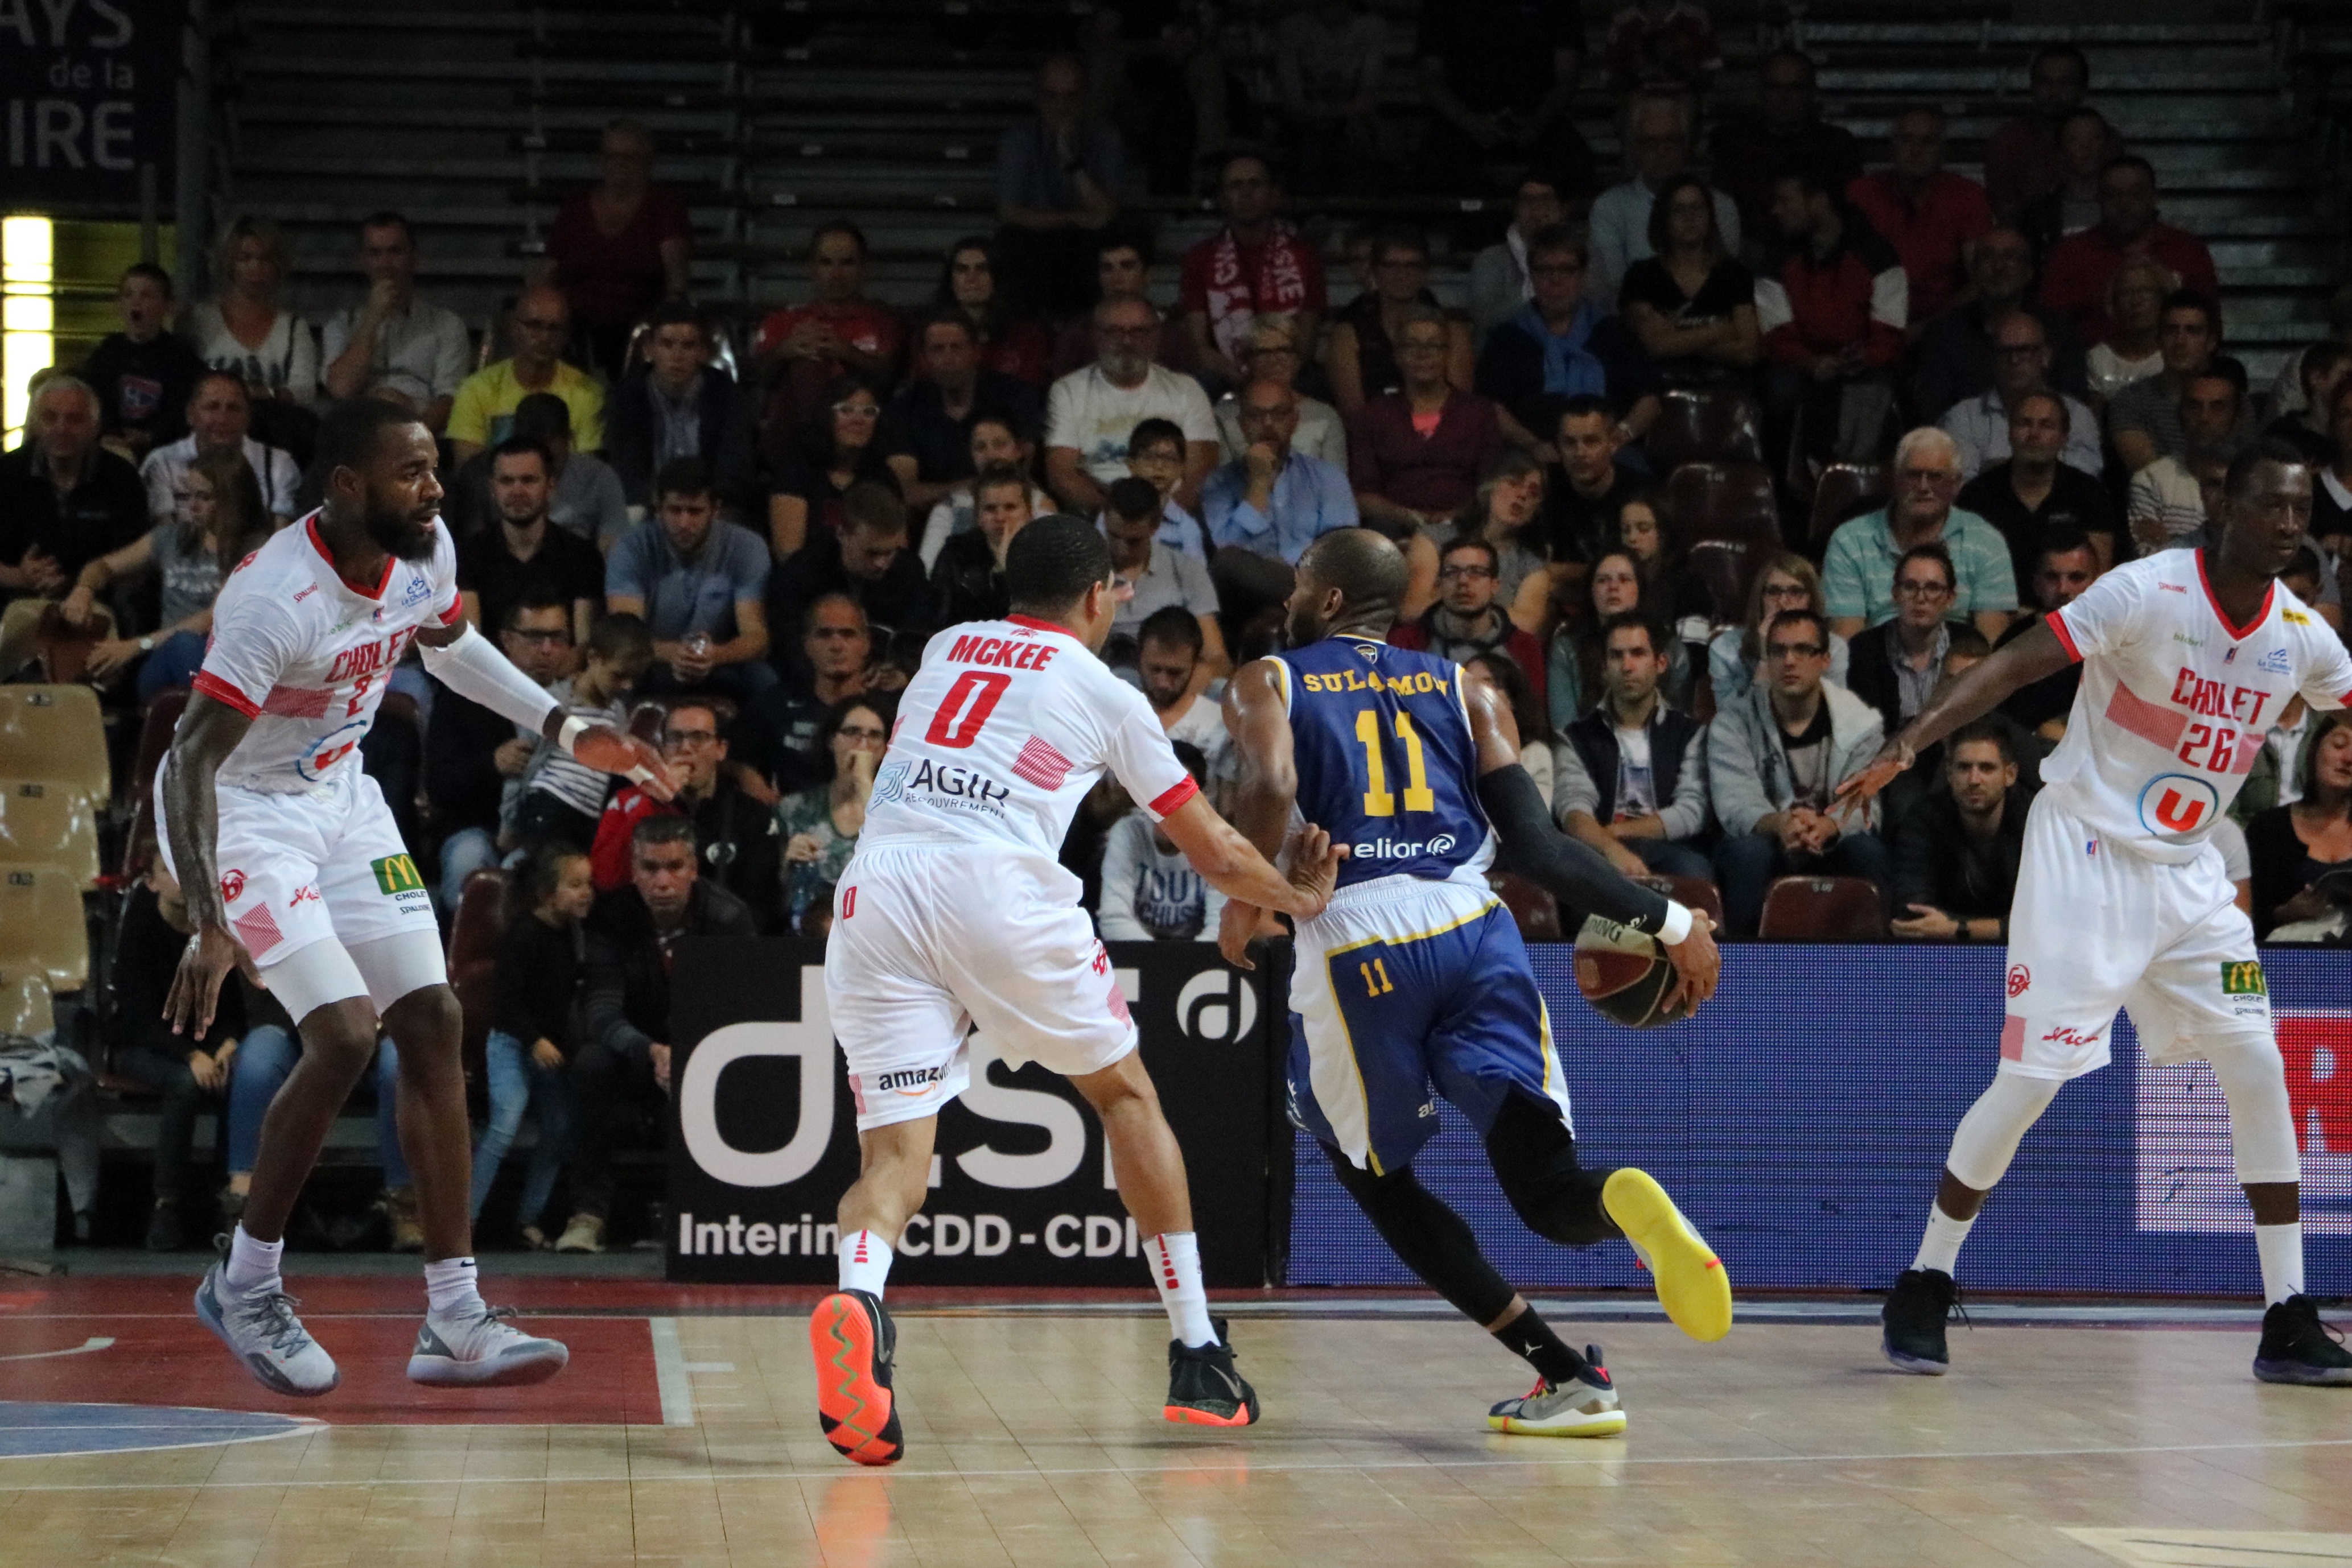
point(1203, 1389)
point(853, 1340)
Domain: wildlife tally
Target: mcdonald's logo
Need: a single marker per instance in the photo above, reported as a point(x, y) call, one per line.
point(2244, 977)
point(396, 873)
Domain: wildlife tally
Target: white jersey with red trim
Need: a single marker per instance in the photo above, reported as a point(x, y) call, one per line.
point(1000, 734)
point(305, 654)
point(2175, 700)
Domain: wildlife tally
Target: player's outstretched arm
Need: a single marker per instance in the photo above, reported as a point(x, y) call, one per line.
point(465, 661)
point(1576, 873)
point(208, 732)
point(1974, 693)
point(1232, 865)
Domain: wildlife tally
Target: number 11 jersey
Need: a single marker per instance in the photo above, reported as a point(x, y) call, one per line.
point(1386, 762)
point(1000, 734)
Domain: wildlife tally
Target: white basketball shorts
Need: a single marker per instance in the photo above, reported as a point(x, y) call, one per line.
point(2095, 928)
point(299, 868)
point(930, 940)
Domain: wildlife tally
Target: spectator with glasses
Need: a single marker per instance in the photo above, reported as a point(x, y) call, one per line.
point(772, 748)
point(1273, 354)
point(1688, 298)
point(483, 411)
point(844, 441)
point(819, 825)
point(1896, 663)
point(1561, 345)
point(1774, 763)
point(1091, 412)
point(1467, 621)
point(1415, 455)
point(2021, 349)
point(734, 835)
point(1787, 582)
point(1499, 285)
point(1273, 500)
point(1858, 572)
point(1624, 229)
point(474, 756)
point(1361, 354)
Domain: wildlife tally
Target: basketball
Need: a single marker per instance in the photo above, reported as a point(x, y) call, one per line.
point(1626, 976)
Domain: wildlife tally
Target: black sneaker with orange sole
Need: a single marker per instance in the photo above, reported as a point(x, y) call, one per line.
point(853, 1340)
point(1203, 1389)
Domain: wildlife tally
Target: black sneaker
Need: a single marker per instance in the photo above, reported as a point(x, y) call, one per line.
point(2298, 1348)
point(1914, 1319)
point(852, 1341)
point(1203, 1389)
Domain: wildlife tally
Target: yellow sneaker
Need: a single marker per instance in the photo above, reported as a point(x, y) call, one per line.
point(1690, 1281)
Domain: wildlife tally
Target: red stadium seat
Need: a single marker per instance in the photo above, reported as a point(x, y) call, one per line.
point(1537, 911)
point(475, 934)
point(1823, 909)
point(155, 728)
point(1698, 893)
point(1723, 501)
point(1706, 425)
point(1841, 495)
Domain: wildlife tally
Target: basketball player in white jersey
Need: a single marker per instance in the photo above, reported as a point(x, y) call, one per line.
point(956, 913)
point(292, 866)
point(2189, 655)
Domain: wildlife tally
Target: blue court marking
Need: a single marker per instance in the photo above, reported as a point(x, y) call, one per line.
point(33, 1429)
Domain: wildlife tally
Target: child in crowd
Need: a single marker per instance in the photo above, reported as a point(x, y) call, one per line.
point(534, 1030)
point(558, 799)
point(1155, 453)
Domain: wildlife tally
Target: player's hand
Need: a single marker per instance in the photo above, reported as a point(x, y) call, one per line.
point(1314, 871)
point(545, 1053)
point(204, 962)
point(1857, 793)
point(617, 751)
point(1237, 927)
point(1697, 961)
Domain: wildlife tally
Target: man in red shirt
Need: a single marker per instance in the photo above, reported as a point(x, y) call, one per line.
point(1929, 214)
point(2021, 162)
point(1257, 264)
point(1833, 303)
point(838, 329)
point(2075, 280)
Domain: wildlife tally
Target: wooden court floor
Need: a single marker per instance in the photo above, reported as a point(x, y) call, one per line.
point(1033, 1438)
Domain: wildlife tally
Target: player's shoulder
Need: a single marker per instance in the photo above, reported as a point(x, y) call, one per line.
point(2303, 624)
point(278, 580)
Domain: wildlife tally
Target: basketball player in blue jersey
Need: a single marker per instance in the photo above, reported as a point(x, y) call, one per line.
point(1414, 975)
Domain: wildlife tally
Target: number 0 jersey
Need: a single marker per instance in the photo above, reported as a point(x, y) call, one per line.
point(305, 654)
point(2175, 700)
point(1385, 760)
point(1000, 734)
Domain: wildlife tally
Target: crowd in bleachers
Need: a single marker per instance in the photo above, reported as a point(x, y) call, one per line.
point(1726, 463)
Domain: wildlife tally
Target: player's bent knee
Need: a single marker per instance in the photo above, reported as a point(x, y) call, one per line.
point(1534, 1156)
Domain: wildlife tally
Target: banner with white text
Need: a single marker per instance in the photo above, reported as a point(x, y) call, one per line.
point(89, 95)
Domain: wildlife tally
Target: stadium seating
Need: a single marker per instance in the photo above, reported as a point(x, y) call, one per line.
point(1709, 425)
point(1719, 573)
point(54, 732)
point(1536, 912)
point(474, 936)
point(1822, 909)
point(155, 727)
point(47, 824)
point(41, 925)
point(1723, 501)
point(25, 1006)
point(1841, 492)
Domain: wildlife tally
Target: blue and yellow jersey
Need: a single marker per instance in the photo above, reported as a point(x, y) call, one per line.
point(1385, 760)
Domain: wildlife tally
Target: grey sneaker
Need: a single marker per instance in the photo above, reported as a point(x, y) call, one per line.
point(260, 1329)
point(476, 1348)
point(1584, 1407)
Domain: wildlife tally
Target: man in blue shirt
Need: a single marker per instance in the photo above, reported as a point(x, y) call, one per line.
point(699, 584)
point(1268, 505)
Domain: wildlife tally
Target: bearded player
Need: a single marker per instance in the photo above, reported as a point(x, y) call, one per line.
point(2188, 656)
point(293, 867)
point(1415, 976)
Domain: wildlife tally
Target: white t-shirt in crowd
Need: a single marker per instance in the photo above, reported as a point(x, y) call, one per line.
point(1087, 413)
point(165, 474)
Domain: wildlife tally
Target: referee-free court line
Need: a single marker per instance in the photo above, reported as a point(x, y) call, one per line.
point(1245, 1469)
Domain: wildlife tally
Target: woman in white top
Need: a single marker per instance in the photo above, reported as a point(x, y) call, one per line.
point(993, 441)
point(246, 330)
point(1787, 582)
point(2136, 303)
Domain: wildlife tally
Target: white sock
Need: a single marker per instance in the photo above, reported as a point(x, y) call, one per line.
point(2280, 1246)
point(1176, 1270)
point(449, 1285)
point(252, 1265)
point(865, 1263)
point(1940, 1247)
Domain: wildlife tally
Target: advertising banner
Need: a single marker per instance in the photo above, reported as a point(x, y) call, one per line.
point(764, 1140)
point(88, 94)
point(1802, 1118)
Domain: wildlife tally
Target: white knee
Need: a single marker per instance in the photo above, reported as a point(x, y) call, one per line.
point(1988, 1135)
point(2261, 1120)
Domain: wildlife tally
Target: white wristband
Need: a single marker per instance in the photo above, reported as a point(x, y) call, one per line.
point(569, 736)
point(1678, 927)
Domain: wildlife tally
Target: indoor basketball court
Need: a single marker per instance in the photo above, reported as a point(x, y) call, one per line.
point(684, 1433)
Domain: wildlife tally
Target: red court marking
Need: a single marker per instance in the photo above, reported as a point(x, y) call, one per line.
point(162, 1355)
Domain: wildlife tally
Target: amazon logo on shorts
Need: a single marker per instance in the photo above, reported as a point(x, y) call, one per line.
point(912, 1080)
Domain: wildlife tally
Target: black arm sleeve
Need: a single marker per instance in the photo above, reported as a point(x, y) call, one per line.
point(1574, 874)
